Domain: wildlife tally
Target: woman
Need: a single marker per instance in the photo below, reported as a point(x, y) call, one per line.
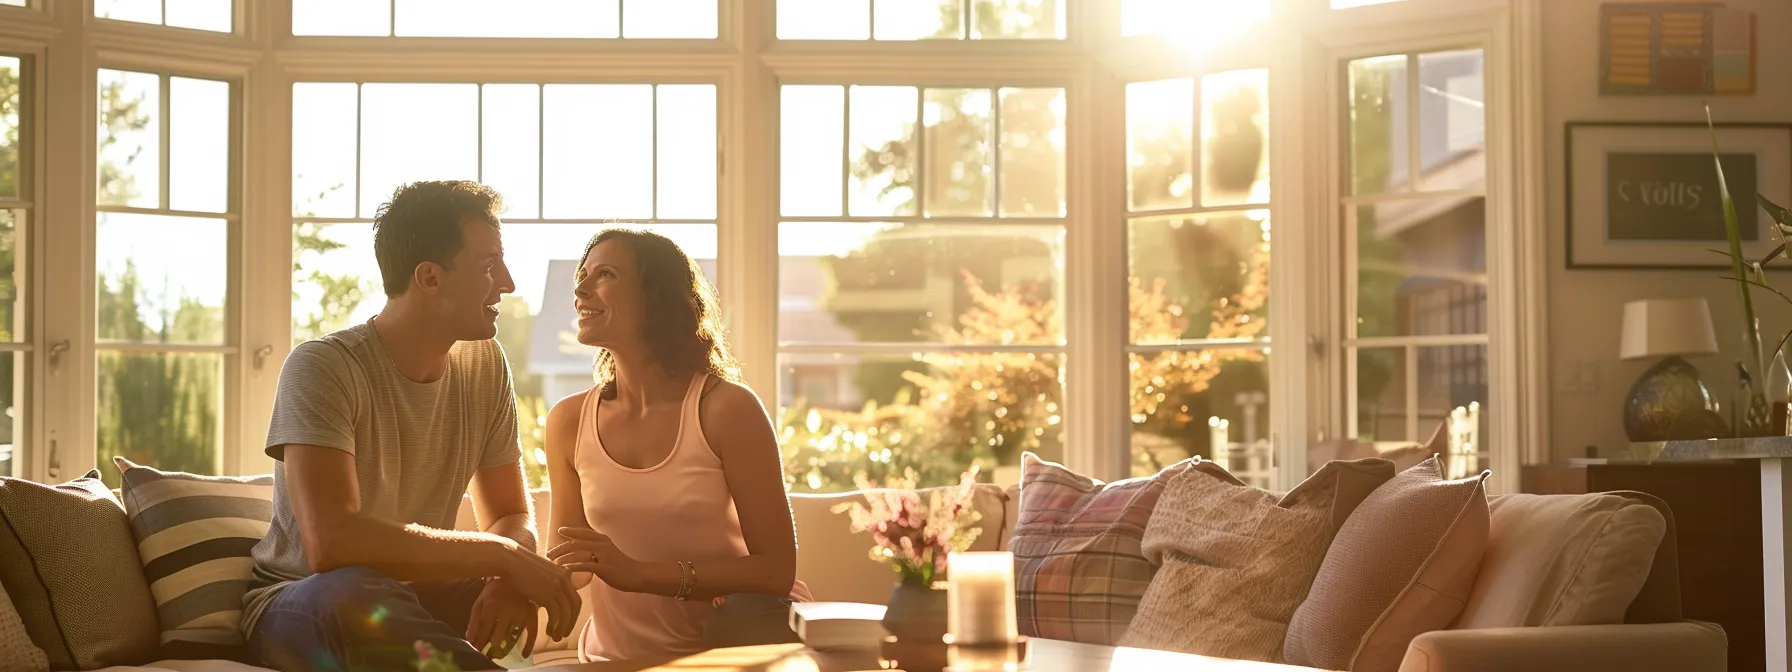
point(666, 479)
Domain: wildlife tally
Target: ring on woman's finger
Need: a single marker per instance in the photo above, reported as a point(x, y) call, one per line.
point(593, 558)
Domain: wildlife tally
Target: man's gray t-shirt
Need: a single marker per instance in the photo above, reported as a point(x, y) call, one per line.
point(416, 445)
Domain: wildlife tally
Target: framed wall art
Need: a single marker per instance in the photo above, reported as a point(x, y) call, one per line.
point(1645, 195)
point(1656, 49)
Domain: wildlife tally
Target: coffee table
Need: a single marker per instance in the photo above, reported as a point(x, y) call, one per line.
point(1044, 655)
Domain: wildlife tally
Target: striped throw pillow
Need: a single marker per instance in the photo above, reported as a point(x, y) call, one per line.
point(194, 534)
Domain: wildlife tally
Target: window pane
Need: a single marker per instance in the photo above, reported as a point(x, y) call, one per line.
point(342, 17)
point(1213, 403)
point(1160, 144)
point(691, 19)
point(140, 11)
point(161, 409)
point(686, 129)
point(414, 132)
point(16, 3)
point(1452, 121)
point(211, 15)
point(11, 102)
point(919, 19)
point(198, 145)
point(336, 281)
point(824, 19)
point(883, 150)
point(323, 149)
point(1022, 19)
point(1235, 138)
point(130, 168)
point(1032, 170)
point(511, 142)
point(1422, 268)
point(13, 390)
point(161, 279)
point(610, 122)
point(811, 161)
point(850, 283)
point(956, 153)
point(1451, 394)
point(1199, 277)
point(1190, 20)
point(1379, 145)
point(13, 278)
point(842, 417)
point(512, 18)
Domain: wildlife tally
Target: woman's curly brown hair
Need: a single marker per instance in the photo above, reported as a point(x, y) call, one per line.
point(681, 322)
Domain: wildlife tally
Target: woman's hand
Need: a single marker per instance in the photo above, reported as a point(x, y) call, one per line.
point(589, 551)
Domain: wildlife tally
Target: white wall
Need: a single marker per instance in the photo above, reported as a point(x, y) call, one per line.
point(1585, 305)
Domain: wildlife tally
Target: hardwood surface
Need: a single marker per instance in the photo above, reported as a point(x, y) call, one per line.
point(1044, 656)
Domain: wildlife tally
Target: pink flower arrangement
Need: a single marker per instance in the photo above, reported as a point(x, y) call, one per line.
point(916, 538)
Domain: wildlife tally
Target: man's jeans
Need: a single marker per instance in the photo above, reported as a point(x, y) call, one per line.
point(354, 619)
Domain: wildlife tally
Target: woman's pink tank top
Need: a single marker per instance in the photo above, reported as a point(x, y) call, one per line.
point(676, 510)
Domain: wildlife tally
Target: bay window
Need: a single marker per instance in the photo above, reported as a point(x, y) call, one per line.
point(569, 160)
point(944, 231)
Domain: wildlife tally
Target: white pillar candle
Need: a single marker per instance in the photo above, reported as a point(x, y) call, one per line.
point(980, 598)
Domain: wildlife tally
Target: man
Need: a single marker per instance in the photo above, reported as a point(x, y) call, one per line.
point(377, 431)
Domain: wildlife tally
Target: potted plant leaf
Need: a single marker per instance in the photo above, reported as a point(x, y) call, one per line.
point(1756, 417)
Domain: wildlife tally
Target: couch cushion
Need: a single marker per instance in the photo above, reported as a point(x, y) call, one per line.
point(194, 534)
point(1555, 560)
point(69, 564)
point(1402, 565)
point(1236, 562)
point(1080, 571)
point(835, 562)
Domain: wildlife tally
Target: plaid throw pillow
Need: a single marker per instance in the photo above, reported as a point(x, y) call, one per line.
point(1079, 568)
point(194, 534)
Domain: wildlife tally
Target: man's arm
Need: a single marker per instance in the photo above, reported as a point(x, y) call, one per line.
point(501, 503)
point(327, 505)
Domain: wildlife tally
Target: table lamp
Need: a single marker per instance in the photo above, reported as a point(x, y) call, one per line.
point(1670, 392)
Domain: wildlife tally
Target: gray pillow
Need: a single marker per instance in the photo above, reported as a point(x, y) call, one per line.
point(69, 562)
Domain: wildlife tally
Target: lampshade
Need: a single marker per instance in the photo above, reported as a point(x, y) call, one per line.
point(1664, 327)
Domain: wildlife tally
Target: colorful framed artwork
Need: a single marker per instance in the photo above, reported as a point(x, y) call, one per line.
point(1645, 195)
point(1676, 49)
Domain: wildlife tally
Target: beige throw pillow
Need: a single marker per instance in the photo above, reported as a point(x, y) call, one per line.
point(1401, 566)
point(70, 565)
point(17, 653)
point(1235, 562)
point(1557, 560)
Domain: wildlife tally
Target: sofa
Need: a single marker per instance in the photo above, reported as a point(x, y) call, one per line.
point(834, 562)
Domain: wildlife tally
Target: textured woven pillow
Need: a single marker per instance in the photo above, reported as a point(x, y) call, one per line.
point(67, 562)
point(1555, 560)
point(17, 653)
point(1401, 566)
point(194, 534)
point(1236, 562)
point(1079, 570)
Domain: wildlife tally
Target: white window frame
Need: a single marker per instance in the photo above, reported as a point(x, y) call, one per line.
point(1516, 256)
point(747, 64)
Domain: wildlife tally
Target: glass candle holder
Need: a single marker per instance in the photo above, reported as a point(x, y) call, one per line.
point(980, 598)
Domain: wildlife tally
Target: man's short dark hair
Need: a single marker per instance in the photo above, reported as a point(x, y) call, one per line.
point(422, 223)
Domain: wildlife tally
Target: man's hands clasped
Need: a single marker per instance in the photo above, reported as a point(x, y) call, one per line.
point(524, 582)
